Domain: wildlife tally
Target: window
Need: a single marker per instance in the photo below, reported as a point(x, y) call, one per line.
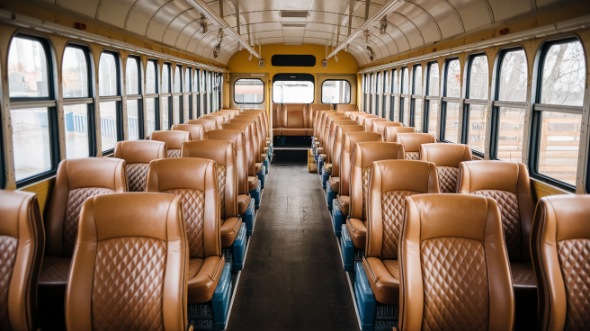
point(432, 98)
point(165, 100)
point(335, 91)
point(476, 105)
point(177, 109)
point(451, 104)
point(378, 93)
point(32, 109)
point(134, 116)
point(404, 103)
point(249, 91)
point(386, 94)
point(110, 101)
point(78, 105)
point(204, 90)
point(197, 92)
point(293, 88)
point(371, 99)
point(393, 105)
point(558, 111)
point(365, 92)
point(187, 92)
point(509, 108)
point(152, 121)
point(417, 99)
point(216, 95)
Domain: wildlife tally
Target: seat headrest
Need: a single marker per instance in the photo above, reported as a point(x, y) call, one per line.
point(140, 151)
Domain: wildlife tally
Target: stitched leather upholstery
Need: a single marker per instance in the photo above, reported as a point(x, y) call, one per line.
point(76, 180)
point(413, 141)
point(137, 155)
point(173, 140)
point(129, 266)
point(237, 137)
point(223, 153)
point(22, 242)
point(454, 268)
point(341, 130)
point(196, 130)
point(392, 181)
point(195, 181)
point(363, 156)
point(208, 124)
point(560, 254)
point(369, 122)
point(447, 158)
point(216, 117)
point(349, 141)
point(390, 132)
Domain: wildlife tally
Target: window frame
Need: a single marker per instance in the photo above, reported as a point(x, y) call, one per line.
point(136, 97)
point(152, 95)
point(394, 94)
point(468, 101)
point(336, 80)
point(177, 95)
point(498, 104)
point(249, 103)
point(405, 96)
point(428, 98)
point(445, 100)
point(293, 77)
point(414, 97)
point(117, 98)
point(539, 108)
point(49, 102)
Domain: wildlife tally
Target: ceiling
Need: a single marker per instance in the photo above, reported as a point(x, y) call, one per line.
point(410, 24)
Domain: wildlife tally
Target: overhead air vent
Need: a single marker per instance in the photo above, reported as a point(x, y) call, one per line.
point(294, 13)
point(294, 25)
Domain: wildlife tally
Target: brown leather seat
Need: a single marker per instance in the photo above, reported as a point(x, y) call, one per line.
point(447, 158)
point(341, 130)
point(413, 141)
point(392, 181)
point(137, 155)
point(22, 242)
point(509, 184)
point(76, 180)
point(237, 137)
point(363, 156)
point(224, 155)
point(454, 269)
point(259, 137)
point(195, 181)
point(253, 181)
point(390, 132)
point(350, 140)
point(130, 264)
point(216, 117)
point(207, 123)
point(196, 130)
point(560, 254)
point(329, 147)
point(369, 122)
point(173, 140)
point(254, 139)
point(380, 126)
point(345, 107)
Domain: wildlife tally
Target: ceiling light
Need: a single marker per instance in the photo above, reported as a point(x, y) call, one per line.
point(294, 13)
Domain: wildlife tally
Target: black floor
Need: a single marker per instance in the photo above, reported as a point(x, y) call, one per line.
point(293, 277)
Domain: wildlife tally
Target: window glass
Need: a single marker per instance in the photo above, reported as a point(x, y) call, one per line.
point(150, 78)
point(433, 79)
point(433, 107)
point(453, 78)
point(564, 74)
point(510, 134)
point(477, 127)
point(31, 141)
point(513, 76)
point(405, 81)
point(177, 81)
point(335, 91)
point(76, 125)
point(249, 91)
point(418, 114)
point(394, 80)
point(418, 80)
point(150, 114)
point(164, 118)
point(27, 69)
point(132, 75)
point(292, 91)
point(75, 73)
point(166, 78)
point(478, 77)
point(406, 111)
point(108, 124)
point(559, 145)
point(187, 80)
point(107, 74)
point(133, 119)
point(452, 122)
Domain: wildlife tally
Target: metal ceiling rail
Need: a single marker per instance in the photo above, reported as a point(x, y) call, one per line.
point(386, 9)
point(201, 6)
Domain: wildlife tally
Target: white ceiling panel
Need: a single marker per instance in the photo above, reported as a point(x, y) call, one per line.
point(114, 11)
point(86, 7)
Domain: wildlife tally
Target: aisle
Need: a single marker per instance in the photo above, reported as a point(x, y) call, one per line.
point(293, 278)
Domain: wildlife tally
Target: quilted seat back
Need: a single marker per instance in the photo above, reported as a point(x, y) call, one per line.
point(137, 155)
